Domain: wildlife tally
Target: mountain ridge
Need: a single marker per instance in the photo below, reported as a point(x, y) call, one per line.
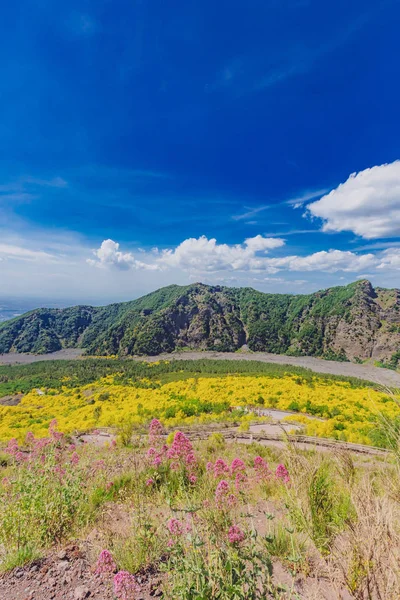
point(353, 322)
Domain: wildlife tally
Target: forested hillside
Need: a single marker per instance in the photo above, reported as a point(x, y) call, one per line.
point(354, 322)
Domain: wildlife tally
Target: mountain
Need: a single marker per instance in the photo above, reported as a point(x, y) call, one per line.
point(354, 322)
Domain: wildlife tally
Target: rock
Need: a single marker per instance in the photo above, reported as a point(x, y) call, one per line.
point(62, 555)
point(81, 593)
point(63, 565)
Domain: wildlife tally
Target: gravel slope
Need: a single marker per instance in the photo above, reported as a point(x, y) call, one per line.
point(385, 377)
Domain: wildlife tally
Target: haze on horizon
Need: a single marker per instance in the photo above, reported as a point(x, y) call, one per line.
point(249, 144)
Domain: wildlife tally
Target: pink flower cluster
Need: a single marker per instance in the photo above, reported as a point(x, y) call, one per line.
point(220, 468)
point(237, 466)
point(156, 431)
point(181, 450)
point(156, 456)
point(54, 434)
point(282, 473)
point(180, 454)
point(75, 458)
point(125, 586)
point(36, 452)
point(223, 495)
point(261, 468)
point(105, 563)
point(237, 470)
point(235, 535)
point(175, 527)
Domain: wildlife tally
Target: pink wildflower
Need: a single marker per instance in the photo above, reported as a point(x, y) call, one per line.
point(157, 461)
point(59, 471)
point(231, 500)
point(240, 481)
point(237, 466)
point(282, 473)
point(105, 563)
point(221, 493)
point(109, 485)
point(30, 438)
point(54, 434)
point(156, 431)
point(150, 481)
point(220, 468)
point(193, 479)
point(20, 456)
point(235, 535)
point(113, 443)
point(175, 527)
point(191, 459)
point(12, 447)
point(125, 586)
point(209, 466)
point(181, 448)
point(75, 458)
point(261, 468)
point(5, 482)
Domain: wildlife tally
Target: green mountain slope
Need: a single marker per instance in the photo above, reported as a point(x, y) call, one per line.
point(354, 321)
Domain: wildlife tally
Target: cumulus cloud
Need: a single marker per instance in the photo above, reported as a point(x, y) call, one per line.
point(203, 254)
point(368, 203)
point(329, 261)
point(390, 259)
point(201, 257)
point(109, 255)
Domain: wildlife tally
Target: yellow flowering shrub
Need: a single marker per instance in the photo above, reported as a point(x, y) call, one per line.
point(339, 409)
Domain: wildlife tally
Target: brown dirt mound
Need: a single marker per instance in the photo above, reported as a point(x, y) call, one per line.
point(65, 575)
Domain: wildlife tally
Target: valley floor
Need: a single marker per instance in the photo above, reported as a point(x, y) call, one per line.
point(384, 377)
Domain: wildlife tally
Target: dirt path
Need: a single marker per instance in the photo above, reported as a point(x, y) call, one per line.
point(384, 377)
point(23, 359)
point(266, 434)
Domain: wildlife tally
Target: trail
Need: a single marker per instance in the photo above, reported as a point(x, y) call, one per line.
point(266, 434)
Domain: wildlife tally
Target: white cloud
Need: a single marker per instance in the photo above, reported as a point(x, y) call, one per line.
point(329, 261)
point(368, 203)
point(390, 259)
point(296, 202)
point(205, 254)
point(9, 251)
point(109, 255)
point(200, 257)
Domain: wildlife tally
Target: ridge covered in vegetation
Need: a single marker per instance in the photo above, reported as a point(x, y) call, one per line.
point(353, 322)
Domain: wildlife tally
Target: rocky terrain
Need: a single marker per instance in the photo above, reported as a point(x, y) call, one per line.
point(355, 322)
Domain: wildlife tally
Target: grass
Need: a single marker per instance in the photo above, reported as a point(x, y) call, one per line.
point(331, 516)
point(211, 518)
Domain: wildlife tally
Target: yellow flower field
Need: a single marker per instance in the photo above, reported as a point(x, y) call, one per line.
point(344, 412)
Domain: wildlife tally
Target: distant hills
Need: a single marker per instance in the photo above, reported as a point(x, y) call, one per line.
point(353, 322)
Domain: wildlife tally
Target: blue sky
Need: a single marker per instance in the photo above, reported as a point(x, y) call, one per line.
point(144, 142)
